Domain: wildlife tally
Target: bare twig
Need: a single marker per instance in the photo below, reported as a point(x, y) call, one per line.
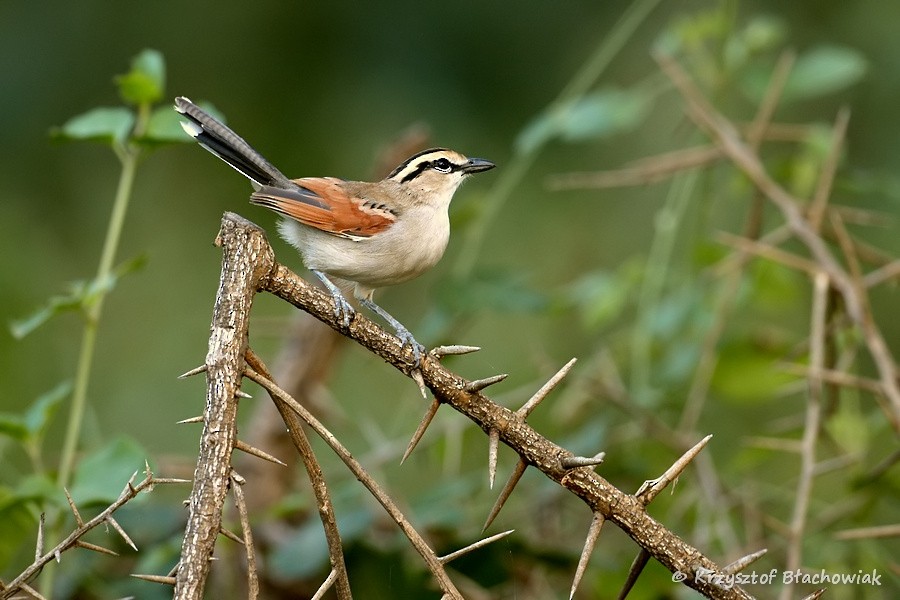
point(237, 491)
point(316, 479)
point(74, 539)
point(866, 533)
point(811, 428)
point(431, 559)
point(479, 544)
point(744, 158)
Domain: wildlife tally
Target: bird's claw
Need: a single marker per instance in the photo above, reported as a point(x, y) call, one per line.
point(343, 311)
point(418, 350)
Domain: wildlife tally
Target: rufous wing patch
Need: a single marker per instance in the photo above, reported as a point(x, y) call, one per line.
point(324, 203)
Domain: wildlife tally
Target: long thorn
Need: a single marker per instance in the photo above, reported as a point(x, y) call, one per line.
point(252, 450)
point(593, 533)
point(326, 585)
point(416, 375)
point(72, 506)
point(743, 562)
point(231, 536)
point(545, 389)
point(480, 543)
point(420, 430)
point(637, 567)
point(479, 384)
point(32, 591)
point(197, 419)
point(493, 446)
point(121, 532)
point(94, 547)
point(514, 478)
point(39, 547)
point(455, 350)
point(650, 489)
point(194, 371)
point(164, 579)
point(573, 462)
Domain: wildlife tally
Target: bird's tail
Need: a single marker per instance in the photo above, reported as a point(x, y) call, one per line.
point(216, 137)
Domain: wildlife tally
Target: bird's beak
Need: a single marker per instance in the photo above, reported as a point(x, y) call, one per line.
point(476, 165)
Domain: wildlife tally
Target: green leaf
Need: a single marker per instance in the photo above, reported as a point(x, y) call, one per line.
point(13, 426)
point(164, 126)
point(491, 289)
point(100, 124)
point(819, 72)
point(746, 376)
point(601, 296)
point(597, 115)
point(825, 70)
point(81, 295)
point(101, 476)
point(41, 411)
point(145, 83)
point(56, 305)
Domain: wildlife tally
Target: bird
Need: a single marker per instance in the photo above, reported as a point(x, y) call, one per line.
point(352, 235)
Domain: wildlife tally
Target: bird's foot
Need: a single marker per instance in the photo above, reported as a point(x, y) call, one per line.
point(343, 310)
point(407, 339)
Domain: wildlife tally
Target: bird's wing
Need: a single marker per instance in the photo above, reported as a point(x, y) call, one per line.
point(325, 204)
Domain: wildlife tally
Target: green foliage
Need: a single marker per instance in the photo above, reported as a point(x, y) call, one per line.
point(601, 114)
point(817, 72)
point(105, 125)
point(145, 83)
point(82, 295)
point(29, 427)
point(101, 475)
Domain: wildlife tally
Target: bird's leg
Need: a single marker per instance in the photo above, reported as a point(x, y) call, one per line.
point(406, 338)
point(343, 311)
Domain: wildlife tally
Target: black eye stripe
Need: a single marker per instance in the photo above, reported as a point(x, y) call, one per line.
point(441, 165)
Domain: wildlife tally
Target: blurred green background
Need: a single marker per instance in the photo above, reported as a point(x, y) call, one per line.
point(321, 89)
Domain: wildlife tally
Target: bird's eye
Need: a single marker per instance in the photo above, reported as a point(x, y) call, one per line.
point(442, 165)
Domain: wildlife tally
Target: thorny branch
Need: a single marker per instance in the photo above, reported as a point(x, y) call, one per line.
point(73, 540)
point(243, 241)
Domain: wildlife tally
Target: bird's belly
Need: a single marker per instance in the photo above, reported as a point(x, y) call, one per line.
point(373, 262)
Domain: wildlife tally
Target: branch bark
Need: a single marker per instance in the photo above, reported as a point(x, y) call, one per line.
point(247, 259)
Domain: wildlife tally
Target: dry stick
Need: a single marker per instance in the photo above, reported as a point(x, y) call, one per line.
point(72, 540)
point(816, 211)
point(620, 508)
point(723, 131)
point(316, 479)
point(237, 490)
point(696, 398)
point(248, 259)
point(811, 429)
point(431, 559)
